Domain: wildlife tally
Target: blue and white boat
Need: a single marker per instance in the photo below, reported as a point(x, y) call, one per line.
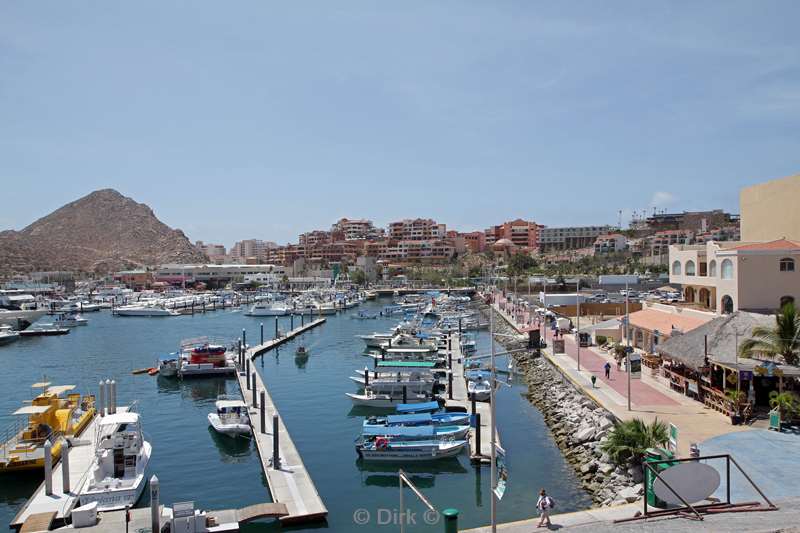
point(420, 419)
point(370, 429)
point(387, 449)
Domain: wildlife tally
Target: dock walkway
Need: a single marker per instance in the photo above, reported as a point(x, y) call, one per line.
point(291, 483)
point(59, 504)
point(260, 349)
point(461, 398)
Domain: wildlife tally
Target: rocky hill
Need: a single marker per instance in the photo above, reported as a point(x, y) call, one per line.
point(101, 232)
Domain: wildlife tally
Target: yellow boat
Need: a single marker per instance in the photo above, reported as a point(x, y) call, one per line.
point(50, 417)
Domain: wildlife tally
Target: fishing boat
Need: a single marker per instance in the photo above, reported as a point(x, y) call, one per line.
point(69, 321)
point(415, 381)
point(144, 310)
point(231, 417)
point(388, 449)
point(413, 432)
point(371, 398)
point(168, 367)
point(8, 335)
point(49, 416)
point(301, 351)
point(479, 389)
point(375, 340)
point(117, 473)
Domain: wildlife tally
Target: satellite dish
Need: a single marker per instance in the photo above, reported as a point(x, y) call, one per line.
point(693, 481)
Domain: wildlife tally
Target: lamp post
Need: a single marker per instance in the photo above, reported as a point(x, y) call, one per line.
point(493, 440)
point(578, 320)
point(628, 346)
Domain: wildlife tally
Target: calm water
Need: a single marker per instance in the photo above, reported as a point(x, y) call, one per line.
point(193, 463)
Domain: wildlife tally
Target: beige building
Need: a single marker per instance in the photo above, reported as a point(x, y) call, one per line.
point(730, 276)
point(770, 211)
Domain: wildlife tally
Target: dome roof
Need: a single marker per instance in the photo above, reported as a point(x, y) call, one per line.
point(504, 242)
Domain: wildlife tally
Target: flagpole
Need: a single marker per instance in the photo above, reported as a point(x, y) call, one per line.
point(578, 323)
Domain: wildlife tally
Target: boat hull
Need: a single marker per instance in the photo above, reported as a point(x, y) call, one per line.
point(232, 430)
point(416, 454)
point(384, 401)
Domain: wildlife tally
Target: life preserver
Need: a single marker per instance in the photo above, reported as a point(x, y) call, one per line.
point(381, 443)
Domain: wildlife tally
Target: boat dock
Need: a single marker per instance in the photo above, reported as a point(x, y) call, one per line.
point(279, 339)
point(479, 451)
point(289, 481)
point(43, 509)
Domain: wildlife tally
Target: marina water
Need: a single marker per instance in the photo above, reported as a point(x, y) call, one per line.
point(194, 463)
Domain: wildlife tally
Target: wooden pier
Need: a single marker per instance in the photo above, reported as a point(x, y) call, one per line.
point(266, 346)
point(461, 399)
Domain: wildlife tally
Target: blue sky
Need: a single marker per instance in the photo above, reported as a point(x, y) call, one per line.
point(265, 119)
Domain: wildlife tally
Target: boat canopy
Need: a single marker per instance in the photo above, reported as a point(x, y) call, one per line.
point(416, 418)
point(398, 431)
point(406, 364)
point(32, 410)
point(120, 418)
point(60, 389)
point(405, 408)
point(229, 404)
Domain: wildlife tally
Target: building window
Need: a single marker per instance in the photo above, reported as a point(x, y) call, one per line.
point(712, 269)
point(690, 268)
point(787, 264)
point(727, 269)
point(676, 268)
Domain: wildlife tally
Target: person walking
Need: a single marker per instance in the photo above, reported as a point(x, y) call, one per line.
point(607, 368)
point(544, 505)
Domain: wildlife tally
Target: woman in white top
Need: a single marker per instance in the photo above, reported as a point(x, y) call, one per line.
point(544, 505)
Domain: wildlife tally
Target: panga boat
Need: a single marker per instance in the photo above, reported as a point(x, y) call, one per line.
point(117, 474)
point(301, 351)
point(387, 449)
point(50, 416)
point(231, 418)
point(370, 398)
point(420, 419)
point(417, 432)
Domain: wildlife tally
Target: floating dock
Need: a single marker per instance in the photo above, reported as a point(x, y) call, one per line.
point(54, 508)
point(461, 399)
point(260, 349)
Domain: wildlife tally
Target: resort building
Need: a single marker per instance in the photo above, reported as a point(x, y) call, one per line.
point(251, 248)
point(213, 275)
point(570, 238)
point(522, 233)
point(610, 243)
point(728, 276)
point(356, 230)
point(769, 210)
point(135, 279)
point(474, 241)
point(418, 229)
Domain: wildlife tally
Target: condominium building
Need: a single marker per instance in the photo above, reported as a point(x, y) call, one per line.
point(522, 233)
point(610, 243)
point(314, 238)
point(418, 229)
point(355, 230)
point(251, 248)
point(474, 241)
point(211, 250)
point(570, 238)
point(429, 251)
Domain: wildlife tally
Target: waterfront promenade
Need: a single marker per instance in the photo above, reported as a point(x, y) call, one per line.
point(649, 398)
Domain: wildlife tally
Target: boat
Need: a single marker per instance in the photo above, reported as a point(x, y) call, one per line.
point(388, 449)
point(117, 473)
point(326, 308)
point(371, 398)
point(268, 309)
point(363, 315)
point(8, 335)
point(202, 356)
point(69, 321)
point(231, 417)
point(479, 389)
point(18, 315)
point(415, 381)
point(43, 330)
point(49, 417)
point(375, 340)
point(417, 419)
point(301, 352)
point(79, 307)
point(414, 432)
point(144, 310)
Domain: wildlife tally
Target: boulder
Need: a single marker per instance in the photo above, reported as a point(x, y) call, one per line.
point(583, 434)
point(635, 473)
point(629, 494)
point(605, 468)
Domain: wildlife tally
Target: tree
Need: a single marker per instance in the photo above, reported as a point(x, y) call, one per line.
point(782, 340)
point(628, 440)
point(520, 262)
point(358, 277)
point(786, 402)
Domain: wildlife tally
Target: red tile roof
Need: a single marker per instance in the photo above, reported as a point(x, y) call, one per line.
point(653, 319)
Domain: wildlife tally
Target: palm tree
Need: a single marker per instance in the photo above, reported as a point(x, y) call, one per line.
point(786, 402)
point(781, 340)
point(629, 440)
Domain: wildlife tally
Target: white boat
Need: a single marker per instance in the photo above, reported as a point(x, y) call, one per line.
point(69, 321)
point(117, 474)
point(7, 335)
point(387, 382)
point(375, 340)
point(143, 310)
point(479, 389)
point(79, 307)
point(385, 449)
point(370, 398)
point(20, 318)
point(168, 368)
point(326, 308)
point(268, 309)
point(231, 418)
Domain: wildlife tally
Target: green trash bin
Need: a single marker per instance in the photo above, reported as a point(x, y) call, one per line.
point(651, 456)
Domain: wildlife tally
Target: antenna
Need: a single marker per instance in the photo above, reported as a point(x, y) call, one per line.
point(619, 224)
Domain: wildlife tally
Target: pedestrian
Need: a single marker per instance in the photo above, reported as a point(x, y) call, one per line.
point(544, 505)
point(607, 368)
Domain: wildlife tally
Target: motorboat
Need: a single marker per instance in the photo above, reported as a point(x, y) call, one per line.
point(375, 340)
point(388, 449)
point(7, 335)
point(301, 352)
point(264, 308)
point(418, 419)
point(117, 474)
point(479, 389)
point(69, 321)
point(15, 316)
point(203, 356)
point(43, 330)
point(144, 310)
point(363, 315)
point(231, 417)
point(79, 307)
point(50, 415)
point(371, 398)
point(326, 308)
point(414, 432)
point(414, 381)
point(168, 367)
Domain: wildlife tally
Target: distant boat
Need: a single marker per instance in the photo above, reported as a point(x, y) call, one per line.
point(144, 310)
point(370, 398)
point(268, 309)
point(7, 335)
point(301, 351)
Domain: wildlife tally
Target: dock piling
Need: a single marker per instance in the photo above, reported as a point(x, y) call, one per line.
point(155, 511)
point(263, 412)
point(450, 520)
point(248, 374)
point(101, 398)
point(477, 434)
point(65, 466)
point(276, 458)
point(450, 386)
point(111, 397)
point(302, 319)
point(48, 468)
point(405, 394)
point(366, 377)
point(262, 333)
point(291, 321)
point(244, 338)
point(255, 396)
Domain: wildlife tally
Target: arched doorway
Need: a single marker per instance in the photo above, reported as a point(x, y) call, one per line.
point(704, 297)
point(727, 304)
point(688, 294)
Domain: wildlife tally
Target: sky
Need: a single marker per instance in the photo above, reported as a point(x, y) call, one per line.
point(266, 119)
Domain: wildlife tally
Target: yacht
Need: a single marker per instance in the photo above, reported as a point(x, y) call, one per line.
point(117, 474)
point(269, 309)
point(375, 340)
point(144, 310)
point(7, 335)
point(18, 316)
point(69, 321)
point(231, 417)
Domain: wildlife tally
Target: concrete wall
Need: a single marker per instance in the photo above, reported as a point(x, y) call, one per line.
point(766, 284)
point(769, 210)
